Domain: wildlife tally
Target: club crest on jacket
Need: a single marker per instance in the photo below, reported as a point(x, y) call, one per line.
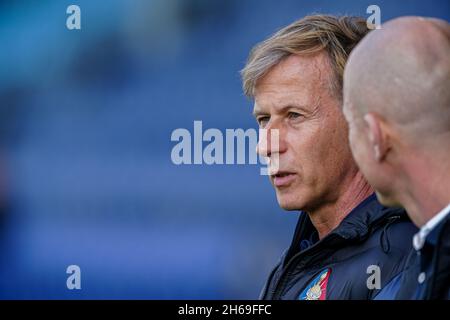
point(317, 289)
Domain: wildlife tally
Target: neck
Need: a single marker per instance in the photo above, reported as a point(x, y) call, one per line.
point(327, 217)
point(426, 188)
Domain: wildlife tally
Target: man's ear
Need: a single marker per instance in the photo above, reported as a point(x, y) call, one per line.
point(377, 137)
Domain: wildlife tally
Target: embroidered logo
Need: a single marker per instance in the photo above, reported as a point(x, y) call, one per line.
point(317, 289)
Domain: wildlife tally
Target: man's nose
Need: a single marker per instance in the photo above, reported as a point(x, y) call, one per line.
point(270, 142)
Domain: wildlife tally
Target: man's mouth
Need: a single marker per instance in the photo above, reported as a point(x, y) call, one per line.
point(283, 179)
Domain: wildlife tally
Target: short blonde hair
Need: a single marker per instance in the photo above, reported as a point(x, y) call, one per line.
point(309, 35)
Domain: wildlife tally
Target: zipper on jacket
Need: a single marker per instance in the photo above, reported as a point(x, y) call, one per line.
point(286, 273)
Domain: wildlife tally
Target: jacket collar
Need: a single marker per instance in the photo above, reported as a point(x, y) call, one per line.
point(430, 230)
point(355, 226)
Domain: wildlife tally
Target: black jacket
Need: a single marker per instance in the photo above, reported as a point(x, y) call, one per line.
point(336, 267)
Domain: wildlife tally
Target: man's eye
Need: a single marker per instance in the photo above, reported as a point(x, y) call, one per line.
point(294, 115)
point(262, 121)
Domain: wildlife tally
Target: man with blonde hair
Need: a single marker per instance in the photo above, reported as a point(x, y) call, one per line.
point(346, 245)
point(397, 103)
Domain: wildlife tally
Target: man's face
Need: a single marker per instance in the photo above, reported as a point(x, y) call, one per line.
point(314, 156)
point(358, 138)
point(363, 149)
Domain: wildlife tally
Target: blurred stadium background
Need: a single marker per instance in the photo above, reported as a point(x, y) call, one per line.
point(85, 171)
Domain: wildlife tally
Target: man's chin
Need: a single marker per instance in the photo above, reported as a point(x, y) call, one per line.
point(288, 205)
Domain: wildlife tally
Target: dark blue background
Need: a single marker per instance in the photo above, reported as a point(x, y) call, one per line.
point(85, 171)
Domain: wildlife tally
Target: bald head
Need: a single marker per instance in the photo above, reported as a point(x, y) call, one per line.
point(402, 73)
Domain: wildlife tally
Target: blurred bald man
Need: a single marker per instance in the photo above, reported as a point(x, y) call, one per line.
point(397, 104)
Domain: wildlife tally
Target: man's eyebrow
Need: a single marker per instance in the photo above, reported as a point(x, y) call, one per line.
point(257, 111)
point(303, 108)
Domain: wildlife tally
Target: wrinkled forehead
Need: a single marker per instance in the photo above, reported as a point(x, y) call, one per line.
point(296, 79)
point(312, 68)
